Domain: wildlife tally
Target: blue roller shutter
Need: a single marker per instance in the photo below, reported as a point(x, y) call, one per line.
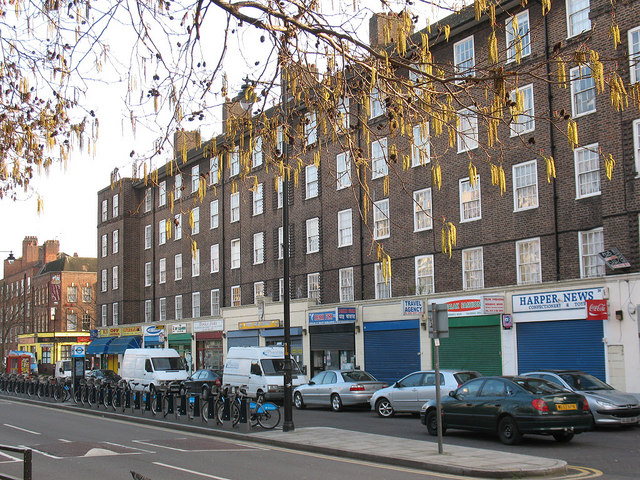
point(561, 344)
point(243, 338)
point(391, 349)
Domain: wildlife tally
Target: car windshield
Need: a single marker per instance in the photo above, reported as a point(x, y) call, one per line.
point(538, 386)
point(275, 366)
point(357, 376)
point(584, 381)
point(167, 363)
point(462, 377)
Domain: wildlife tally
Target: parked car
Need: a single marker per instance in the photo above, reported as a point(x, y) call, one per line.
point(608, 405)
point(103, 374)
point(337, 388)
point(409, 393)
point(203, 382)
point(512, 407)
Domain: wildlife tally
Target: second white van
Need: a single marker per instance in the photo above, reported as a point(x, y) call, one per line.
point(152, 367)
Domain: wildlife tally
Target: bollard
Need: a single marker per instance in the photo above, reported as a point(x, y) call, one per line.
point(182, 408)
point(244, 423)
point(196, 406)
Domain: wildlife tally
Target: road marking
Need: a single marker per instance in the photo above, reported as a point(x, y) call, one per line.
point(45, 454)
point(65, 441)
point(189, 471)
point(130, 448)
point(21, 429)
point(583, 472)
point(194, 451)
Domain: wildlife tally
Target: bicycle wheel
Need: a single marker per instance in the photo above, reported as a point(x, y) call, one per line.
point(235, 413)
point(56, 393)
point(204, 412)
point(165, 406)
point(268, 415)
point(219, 410)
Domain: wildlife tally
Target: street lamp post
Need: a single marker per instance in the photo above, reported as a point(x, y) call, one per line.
point(3, 332)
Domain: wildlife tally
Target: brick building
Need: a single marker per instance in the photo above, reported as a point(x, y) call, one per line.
point(529, 256)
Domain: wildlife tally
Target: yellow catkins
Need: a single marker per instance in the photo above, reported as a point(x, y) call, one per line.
point(473, 174)
point(546, 6)
point(194, 249)
point(448, 237)
point(551, 168)
point(562, 73)
point(447, 31)
point(171, 201)
point(614, 32)
point(597, 71)
point(385, 185)
point(572, 133)
point(40, 203)
point(493, 48)
point(609, 163)
point(436, 175)
point(618, 93)
point(168, 228)
point(191, 220)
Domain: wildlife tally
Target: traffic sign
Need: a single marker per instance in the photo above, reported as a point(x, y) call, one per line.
point(78, 350)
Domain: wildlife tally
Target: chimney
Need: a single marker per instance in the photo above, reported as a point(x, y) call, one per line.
point(231, 111)
point(183, 141)
point(50, 250)
point(383, 26)
point(29, 250)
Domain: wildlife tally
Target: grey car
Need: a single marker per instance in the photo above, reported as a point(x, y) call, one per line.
point(337, 388)
point(409, 393)
point(608, 405)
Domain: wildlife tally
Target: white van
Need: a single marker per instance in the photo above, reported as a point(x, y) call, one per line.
point(261, 369)
point(152, 367)
point(63, 369)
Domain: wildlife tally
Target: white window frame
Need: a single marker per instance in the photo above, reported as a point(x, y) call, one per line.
point(115, 205)
point(313, 235)
point(345, 228)
point(177, 306)
point(634, 55)
point(215, 302)
point(177, 267)
point(311, 181)
point(195, 304)
point(104, 245)
point(234, 163)
point(105, 210)
point(162, 270)
point(280, 192)
point(148, 238)
point(147, 311)
point(195, 263)
point(636, 145)
point(310, 128)
point(381, 220)
point(382, 289)
point(472, 268)
point(234, 207)
point(422, 210)
point(258, 291)
point(115, 314)
point(214, 214)
point(571, 31)
point(115, 278)
point(346, 285)
point(376, 106)
point(215, 258)
point(235, 253)
point(281, 289)
point(280, 243)
point(511, 39)
point(467, 135)
point(213, 170)
point(343, 170)
point(420, 146)
point(465, 189)
point(525, 179)
point(343, 114)
point(104, 314)
point(162, 232)
point(313, 286)
point(147, 200)
point(178, 229)
point(591, 265)
point(257, 154)
point(104, 284)
point(115, 241)
point(592, 151)
point(379, 154)
point(258, 248)
point(258, 200)
point(236, 296)
point(162, 193)
point(536, 276)
point(195, 178)
point(469, 63)
point(421, 263)
point(577, 75)
point(148, 274)
point(177, 186)
point(162, 309)
point(529, 125)
point(196, 220)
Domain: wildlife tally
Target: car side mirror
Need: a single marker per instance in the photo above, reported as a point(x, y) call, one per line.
point(397, 385)
point(311, 382)
point(452, 394)
point(304, 369)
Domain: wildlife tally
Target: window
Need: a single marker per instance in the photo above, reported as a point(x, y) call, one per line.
point(256, 154)
point(162, 270)
point(381, 223)
point(470, 207)
point(162, 232)
point(147, 200)
point(310, 128)
point(215, 258)
point(177, 186)
point(162, 194)
point(116, 205)
point(72, 322)
point(343, 170)
point(104, 246)
point(634, 54)
point(472, 269)
point(103, 315)
point(591, 243)
point(258, 291)
point(72, 294)
point(346, 284)
point(215, 302)
point(163, 309)
point(279, 140)
point(235, 207)
point(115, 314)
point(281, 289)
point(214, 171)
point(147, 311)
point(467, 130)
point(195, 263)
point(523, 113)
point(528, 261)
point(313, 286)
point(234, 163)
point(422, 219)
point(195, 221)
point(178, 224)
point(178, 267)
point(258, 199)
point(420, 149)
point(86, 321)
point(577, 17)
point(195, 304)
point(525, 186)
point(114, 277)
point(280, 192)
point(424, 275)
point(343, 114)
point(86, 294)
point(311, 181)
point(147, 274)
point(313, 235)
point(587, 171)
point(115, 241)
point(105, 210)
point(518, 40)
point(379, 167)
point(583, 91)
point(147, 237)
point(258, 248)
point(376, 107)
point(280, 243)
point(104, 281)
point(236, 296)
point(383, 286)
point(195, 178)
point(178, 306)
point(463, 57)
point(235, 253)
point(345, 231)
point(636, 145)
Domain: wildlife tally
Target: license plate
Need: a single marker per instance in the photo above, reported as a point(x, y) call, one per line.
point(628, 419)
point(567, 406)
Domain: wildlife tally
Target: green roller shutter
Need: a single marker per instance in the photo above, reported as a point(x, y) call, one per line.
point(473, 344)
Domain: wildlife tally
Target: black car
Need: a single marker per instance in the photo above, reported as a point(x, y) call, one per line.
point(203, 381)
point(103, 374)
point(511, 406)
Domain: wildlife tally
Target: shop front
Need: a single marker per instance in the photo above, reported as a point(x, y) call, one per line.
point(209, 350)
point(49, 347)
point(153, 336)
point(332, 339)
point(179, 339)
point(557, 330)
point(275, 337)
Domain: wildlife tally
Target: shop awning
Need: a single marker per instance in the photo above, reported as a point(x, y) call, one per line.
point(120, 344)
point(99, 345)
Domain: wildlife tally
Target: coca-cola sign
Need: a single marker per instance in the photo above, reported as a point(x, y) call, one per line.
point(597, 310)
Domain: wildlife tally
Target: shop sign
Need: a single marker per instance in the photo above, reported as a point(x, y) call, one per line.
point(131, 330)
point(115, 332)
point(347, 314)
point(462, 306)
point(26, 340)
point(259, 324)
point(597, 310)
point(493, 305)
point(507, 321)
point(412, 307)
point(94, 333)
point(103, 333)
point(179, 328)
point(84, 339)
point(153, 330)
point(551, 301)
point(208, 326)
point(323, 318)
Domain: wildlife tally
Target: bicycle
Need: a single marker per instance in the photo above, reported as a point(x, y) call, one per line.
point(169, 404)
point(265, 414)
point(61, 392)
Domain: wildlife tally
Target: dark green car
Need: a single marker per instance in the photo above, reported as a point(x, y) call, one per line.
point(512, 407)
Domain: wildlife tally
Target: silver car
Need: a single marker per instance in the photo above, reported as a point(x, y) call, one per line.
point(336, 388)
point(409, 393)
point(608, 405)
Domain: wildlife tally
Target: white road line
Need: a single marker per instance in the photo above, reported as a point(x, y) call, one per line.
point(192, 451)
point(129, 448)
point(45, 454)
point(65, 441)
point(189, 471)
point(21, 429)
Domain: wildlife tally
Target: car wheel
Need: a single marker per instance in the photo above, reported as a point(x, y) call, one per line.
point(384, 407)
point(508, 431)
point(336, 402)
point(563, 437)
point(432, 423)
point(298, 402)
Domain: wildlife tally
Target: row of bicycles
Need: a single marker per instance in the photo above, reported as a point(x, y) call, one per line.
point(172, 401)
